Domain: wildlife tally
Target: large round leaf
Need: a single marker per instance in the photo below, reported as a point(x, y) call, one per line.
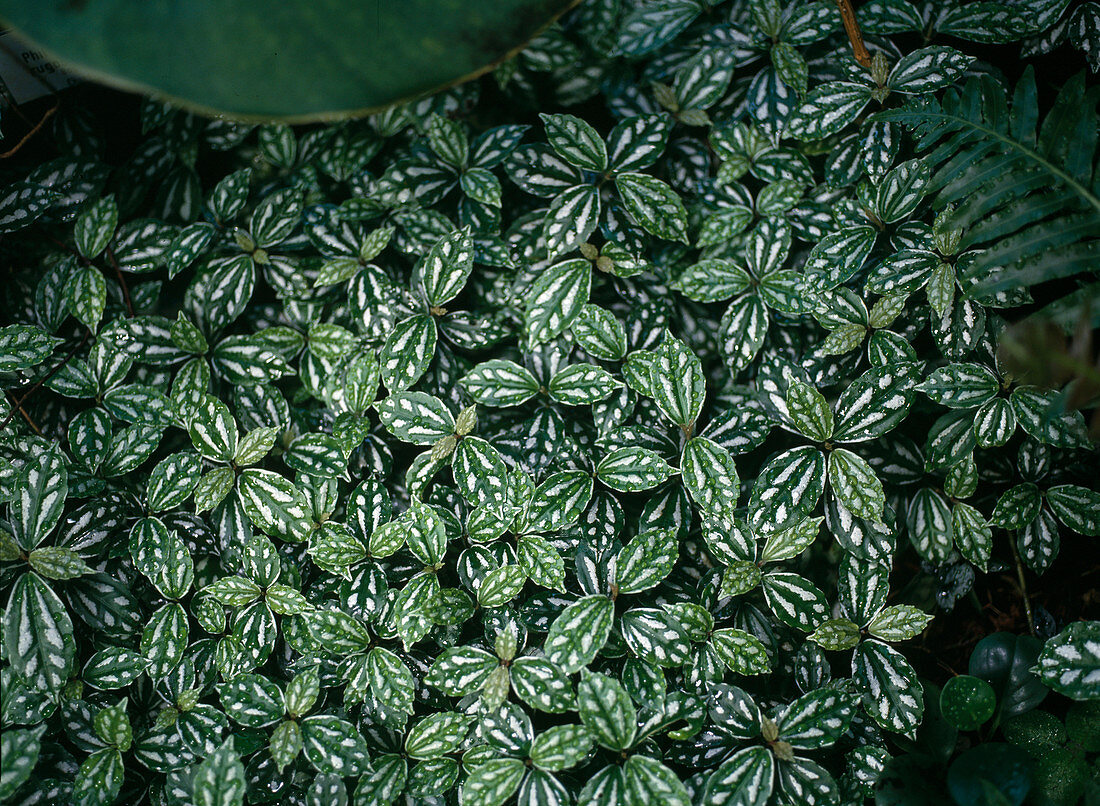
point(992, 773)
point(967, 701)
point(1004, 661)
point(296, 59)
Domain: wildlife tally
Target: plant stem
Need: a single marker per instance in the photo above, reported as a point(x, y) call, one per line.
point(855, 35)
point(121, 280)
point(1022, 581)
point(114, 263)
point(11, 152)
point(18, 405)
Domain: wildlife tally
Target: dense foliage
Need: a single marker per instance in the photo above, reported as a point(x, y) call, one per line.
point(555, 437)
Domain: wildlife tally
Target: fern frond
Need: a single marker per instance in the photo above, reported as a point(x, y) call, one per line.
point(1025, 190)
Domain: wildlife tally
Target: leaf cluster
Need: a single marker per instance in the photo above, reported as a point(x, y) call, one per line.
point(601, 432)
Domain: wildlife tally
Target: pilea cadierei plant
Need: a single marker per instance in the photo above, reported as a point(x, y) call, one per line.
point(571, 436)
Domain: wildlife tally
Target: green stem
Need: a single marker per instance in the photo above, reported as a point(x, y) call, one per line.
point(1022, 581)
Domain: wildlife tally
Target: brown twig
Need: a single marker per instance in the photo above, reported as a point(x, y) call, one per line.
point(121, 280)
point(11, 152)
point(9, 99)
point(19, 403)
point(50, 89)
point(855, 35)
point(946, 667)
point(18, 407)
point(113, 261)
